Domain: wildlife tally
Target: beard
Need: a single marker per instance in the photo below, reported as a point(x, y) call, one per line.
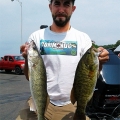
point(59, 21)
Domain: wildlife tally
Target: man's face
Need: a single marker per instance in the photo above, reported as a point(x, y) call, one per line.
point(61, 11)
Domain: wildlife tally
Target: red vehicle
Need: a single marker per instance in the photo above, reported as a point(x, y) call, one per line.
point(12, 62)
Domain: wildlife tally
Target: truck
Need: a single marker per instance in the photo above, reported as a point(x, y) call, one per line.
point(11, 63)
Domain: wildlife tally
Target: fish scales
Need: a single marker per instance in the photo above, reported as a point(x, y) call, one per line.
point(85, 80)
point(38, 80)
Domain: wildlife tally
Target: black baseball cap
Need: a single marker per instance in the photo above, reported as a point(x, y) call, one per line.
point(70, 0)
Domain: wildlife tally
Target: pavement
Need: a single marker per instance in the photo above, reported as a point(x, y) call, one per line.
point(14, 93)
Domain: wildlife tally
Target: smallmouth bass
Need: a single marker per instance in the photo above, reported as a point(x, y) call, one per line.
point(86, 75)
point(37, 79)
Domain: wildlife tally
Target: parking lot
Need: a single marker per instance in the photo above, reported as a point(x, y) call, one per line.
point(14, 92)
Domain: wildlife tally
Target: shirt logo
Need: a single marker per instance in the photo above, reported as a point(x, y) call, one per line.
point(50, 47)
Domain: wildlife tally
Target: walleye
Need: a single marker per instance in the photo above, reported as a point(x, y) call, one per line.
point(85, 81)
point(37, 79)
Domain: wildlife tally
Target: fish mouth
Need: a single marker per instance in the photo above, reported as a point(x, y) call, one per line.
point(32, 45)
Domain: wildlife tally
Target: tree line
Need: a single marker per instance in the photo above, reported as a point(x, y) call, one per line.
point(109, 46)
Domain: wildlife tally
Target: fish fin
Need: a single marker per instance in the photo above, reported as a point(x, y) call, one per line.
point(74, 117)
point(48, 101)
point(31, 104)
point(98, 74)
point(72, 98)
point(80, 117)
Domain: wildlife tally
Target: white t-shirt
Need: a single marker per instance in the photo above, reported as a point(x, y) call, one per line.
point(61, 53)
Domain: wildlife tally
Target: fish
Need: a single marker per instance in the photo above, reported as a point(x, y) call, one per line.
point(37, 79)
point(85, 79)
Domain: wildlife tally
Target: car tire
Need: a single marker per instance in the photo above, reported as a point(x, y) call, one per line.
point(18, 70)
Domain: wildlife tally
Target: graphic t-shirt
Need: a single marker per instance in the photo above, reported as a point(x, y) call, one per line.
point(61, 53)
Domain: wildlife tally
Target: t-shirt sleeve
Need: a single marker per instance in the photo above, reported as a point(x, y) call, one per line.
point(35, 36)
point(32, 37)
point(87, 43)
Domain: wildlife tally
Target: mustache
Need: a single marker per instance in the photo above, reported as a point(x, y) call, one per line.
point(60, 15)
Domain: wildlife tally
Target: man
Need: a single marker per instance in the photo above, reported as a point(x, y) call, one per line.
point(60, 58)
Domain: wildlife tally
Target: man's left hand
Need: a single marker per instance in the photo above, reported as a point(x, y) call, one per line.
point(103, 57)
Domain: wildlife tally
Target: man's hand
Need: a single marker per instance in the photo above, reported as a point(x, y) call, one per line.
point(103, 57)
point(23, 49)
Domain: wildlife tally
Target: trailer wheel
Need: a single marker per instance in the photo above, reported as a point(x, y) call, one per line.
point(18, 70)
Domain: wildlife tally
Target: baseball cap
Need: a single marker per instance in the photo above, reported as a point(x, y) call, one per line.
point(70, 0)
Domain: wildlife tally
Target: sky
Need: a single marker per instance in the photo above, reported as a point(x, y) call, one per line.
point(100, 19)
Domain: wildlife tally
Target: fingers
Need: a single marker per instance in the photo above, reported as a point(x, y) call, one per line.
point(104, 55)
point(24, 49)
point(103, 59)
point(24, 54)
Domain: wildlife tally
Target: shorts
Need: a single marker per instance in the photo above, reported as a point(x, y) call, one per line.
point(52, 113)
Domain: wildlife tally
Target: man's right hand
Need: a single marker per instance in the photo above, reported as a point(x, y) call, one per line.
point(24, 49)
